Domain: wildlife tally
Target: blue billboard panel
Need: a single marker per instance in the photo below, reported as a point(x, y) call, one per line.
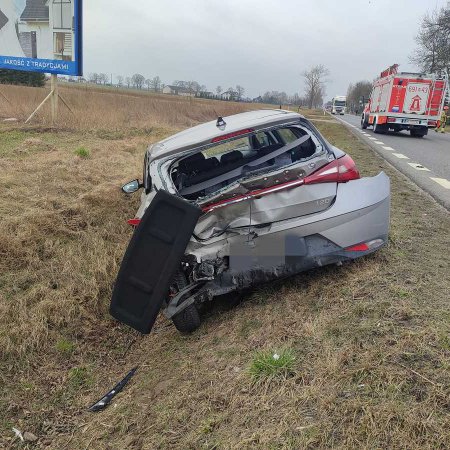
point(41, 36)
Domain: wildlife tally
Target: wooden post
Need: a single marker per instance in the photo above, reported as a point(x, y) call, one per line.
point(54, 98)
point(39, 107)
point(5, 97)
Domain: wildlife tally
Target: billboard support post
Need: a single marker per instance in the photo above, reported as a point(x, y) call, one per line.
point(51, 97)
point(54, 97)
point(5, 97)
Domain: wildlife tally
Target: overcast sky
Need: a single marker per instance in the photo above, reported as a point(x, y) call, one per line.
point(261, 44)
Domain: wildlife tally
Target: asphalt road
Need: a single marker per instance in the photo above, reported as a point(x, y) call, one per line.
point(426, 161)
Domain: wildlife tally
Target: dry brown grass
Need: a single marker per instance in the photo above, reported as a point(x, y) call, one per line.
point(371, 339)
point(96, 108)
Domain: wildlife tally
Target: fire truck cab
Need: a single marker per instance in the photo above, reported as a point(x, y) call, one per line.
point(405, 101)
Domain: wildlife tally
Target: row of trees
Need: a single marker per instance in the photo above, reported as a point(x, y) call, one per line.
point(314, 80)
point(21, 77)
point(358, 95)
point(136, 81)
point(155, 84)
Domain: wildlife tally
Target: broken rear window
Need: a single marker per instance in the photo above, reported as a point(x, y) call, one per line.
point(218, 166)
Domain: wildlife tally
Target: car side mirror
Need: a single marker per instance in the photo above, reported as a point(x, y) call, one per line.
point(131, 187)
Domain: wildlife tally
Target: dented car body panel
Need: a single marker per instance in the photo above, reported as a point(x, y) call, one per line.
point(276, 199)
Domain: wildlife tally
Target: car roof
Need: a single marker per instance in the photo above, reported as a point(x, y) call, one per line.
point(204, 133)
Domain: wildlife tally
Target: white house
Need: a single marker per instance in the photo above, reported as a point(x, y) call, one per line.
point(46, 29)
point(177, 90)
point(229, 95)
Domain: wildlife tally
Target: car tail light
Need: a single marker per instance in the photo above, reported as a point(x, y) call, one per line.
point(358, 248)
point(338, 171)
point(363, 247)
point(391, 119)
point(134, 222)
point(432, 123)
point(231, 135)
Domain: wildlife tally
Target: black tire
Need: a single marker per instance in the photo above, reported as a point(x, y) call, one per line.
point(364, 123)
point(187, 320)
point(378, 129)
point(417, 134)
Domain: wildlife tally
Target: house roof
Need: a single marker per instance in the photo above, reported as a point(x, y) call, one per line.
point(230, 92)
point(3, 20)
point(178, 88)
point(35, 10)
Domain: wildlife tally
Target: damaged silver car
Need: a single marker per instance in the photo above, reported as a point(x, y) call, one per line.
point(237, 202)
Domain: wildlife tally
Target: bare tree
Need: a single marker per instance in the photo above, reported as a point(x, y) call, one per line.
point(433, 40)
point(102, 78)
point(128, 82)
point(275, 97)
point(219, 90)
point(119, 80)
point(138, 80)
point(315, 84)
point(93, 77)
point(357, 95)
point(155, 84)
point(240, 92)
point(179, 83)
point(148, 83)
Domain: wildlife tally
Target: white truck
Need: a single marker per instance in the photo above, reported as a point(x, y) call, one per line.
point(405, 101)
point(339, 105)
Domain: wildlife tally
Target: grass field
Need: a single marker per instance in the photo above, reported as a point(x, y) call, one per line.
point(362, 351)
point(101, 108)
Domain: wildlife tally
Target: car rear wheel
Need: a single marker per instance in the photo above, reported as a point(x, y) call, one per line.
point(187, 320)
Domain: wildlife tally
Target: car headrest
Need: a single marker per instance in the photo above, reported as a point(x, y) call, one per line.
point(205, 164)
point(231, 157)
point(188, 164)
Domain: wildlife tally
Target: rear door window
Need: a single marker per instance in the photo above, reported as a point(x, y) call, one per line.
point(288, 135)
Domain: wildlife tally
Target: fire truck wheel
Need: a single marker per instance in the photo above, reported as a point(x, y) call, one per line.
point(379, 129)
point(415, 133)
point(364, 123)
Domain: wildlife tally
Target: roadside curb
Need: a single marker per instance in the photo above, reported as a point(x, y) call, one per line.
point(424, 189)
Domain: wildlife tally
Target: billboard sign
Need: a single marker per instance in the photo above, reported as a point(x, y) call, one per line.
point(41, 36)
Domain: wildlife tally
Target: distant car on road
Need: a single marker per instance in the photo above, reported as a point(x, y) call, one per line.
point(237, 202)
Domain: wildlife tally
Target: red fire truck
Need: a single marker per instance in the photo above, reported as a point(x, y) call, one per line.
point(405, 101)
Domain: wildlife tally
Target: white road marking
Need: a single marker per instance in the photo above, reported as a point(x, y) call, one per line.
point(442, 181)
point(419, 167)
point(378, 142)
point(388, 148)
point(373, 139)
point(400, 155)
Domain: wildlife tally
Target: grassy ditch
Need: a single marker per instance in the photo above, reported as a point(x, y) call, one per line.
point(363, 349)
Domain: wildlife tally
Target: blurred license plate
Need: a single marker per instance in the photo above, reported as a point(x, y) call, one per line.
point(413, 121)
